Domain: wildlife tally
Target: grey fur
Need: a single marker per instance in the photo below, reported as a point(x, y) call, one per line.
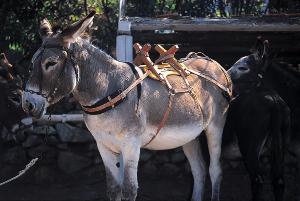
point(122, 131)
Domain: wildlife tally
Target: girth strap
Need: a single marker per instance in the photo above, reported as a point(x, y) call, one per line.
point(164, 119)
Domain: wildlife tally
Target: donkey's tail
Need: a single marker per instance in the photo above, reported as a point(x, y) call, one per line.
point(280, 129)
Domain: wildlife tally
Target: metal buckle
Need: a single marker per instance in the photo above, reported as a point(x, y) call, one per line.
point(109, 99)
point(122, 95)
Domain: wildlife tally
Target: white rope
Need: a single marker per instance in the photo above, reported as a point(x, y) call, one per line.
point(28, 166)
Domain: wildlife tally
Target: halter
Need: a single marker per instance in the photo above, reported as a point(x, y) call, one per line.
point(70, 56)
point(254, 85)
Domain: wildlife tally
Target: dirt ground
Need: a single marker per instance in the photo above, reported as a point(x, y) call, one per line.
point(90, 186)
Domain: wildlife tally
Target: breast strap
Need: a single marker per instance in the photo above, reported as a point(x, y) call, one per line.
point(116, 97)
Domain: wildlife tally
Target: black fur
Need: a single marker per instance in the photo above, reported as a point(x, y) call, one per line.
point(259, 117)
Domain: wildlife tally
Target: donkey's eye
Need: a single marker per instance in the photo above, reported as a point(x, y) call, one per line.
point(50, 63)
point(242, 68)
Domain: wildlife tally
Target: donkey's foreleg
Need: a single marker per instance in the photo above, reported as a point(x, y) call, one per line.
point(194, 155)
point(131, 154)
point(114, 174)
point(214, 141)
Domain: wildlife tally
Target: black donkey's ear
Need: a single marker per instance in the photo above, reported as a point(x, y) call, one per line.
point(259, 48)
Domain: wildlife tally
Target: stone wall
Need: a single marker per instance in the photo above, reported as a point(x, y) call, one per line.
point(66, 151)
point(71, 148)
point(68, 155)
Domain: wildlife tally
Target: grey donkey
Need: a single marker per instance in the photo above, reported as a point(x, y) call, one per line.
point(66, 63)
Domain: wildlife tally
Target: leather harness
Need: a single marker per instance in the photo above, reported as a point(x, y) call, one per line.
point(119, 96)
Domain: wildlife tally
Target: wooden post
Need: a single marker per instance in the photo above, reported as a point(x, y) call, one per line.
point(124, 38)
point(122, 5)
point(124, 48)
point(143, 58)
point(55, 118)
point(168, 56)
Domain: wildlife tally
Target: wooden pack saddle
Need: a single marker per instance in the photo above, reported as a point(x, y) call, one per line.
point(164, 66)
point(167, 65)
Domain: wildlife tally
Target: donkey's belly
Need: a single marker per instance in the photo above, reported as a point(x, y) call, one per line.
point(171, 136)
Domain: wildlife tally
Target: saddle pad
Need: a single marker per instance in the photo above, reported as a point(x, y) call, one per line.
point(164, 68)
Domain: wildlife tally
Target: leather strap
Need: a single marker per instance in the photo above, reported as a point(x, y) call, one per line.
point(164, 58)
point(166, 114)
point(137, 75)
point(164, 119)
point(228, 93)
point(113, 101)
point(104, 101)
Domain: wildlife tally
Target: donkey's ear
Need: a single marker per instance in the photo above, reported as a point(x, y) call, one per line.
point(4, 61)
point(45, 28)
point(259, 49)
point(266, 48)
point(2, 56)
point(267, 57)
point(70, 34)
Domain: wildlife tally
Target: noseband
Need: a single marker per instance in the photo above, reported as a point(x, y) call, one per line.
point(70, 56)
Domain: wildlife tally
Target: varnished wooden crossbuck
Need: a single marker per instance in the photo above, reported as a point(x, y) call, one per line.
point(167, 65)
point(164, 66)
point(166, 56)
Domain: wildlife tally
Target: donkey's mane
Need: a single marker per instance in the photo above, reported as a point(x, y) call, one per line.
point(97, 68)
point(93, 57)
point(84, 44)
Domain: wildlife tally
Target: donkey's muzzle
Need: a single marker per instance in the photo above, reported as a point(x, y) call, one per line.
point(28, 106)
point(33, 104)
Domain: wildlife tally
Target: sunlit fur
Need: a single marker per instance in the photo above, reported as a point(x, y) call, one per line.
point(120, 133)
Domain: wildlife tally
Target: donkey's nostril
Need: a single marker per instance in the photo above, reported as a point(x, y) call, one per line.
point(242, 68)
point(30, 106)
